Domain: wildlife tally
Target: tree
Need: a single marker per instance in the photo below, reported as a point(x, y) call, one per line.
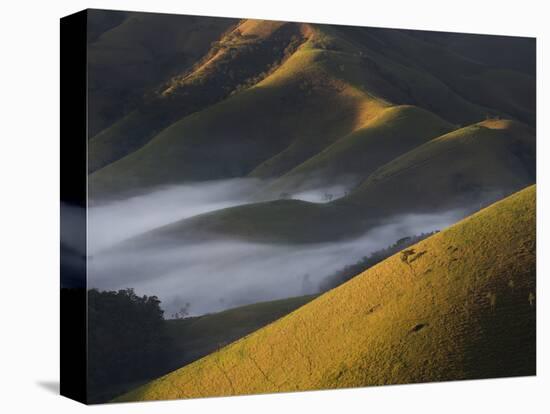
point(126, 338)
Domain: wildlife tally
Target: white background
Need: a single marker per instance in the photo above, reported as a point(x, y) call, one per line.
point(29, 193)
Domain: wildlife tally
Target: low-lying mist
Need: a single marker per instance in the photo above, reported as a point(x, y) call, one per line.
point(212, 276)
point(113, 222)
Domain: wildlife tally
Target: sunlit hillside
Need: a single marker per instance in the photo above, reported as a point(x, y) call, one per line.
point(458, 305)
point(251, 181)
point(273, 99)
point(464, 169)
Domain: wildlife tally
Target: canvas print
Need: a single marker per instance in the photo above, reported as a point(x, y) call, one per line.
point(271, 206)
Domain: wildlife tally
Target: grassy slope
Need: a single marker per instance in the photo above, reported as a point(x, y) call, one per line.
point(211, 79)
point(196, 337)
point(507, 91)
point(332, 86)
point(515, 53)
point(486, 160)
point(370, 53)
point(393, 132)
point(366, 72)
point(279, 221)
point(462, 306)
point(139, 53)
point(248, 128)
point(466, 168)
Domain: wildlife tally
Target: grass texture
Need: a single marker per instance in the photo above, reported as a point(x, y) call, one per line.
point(458, 305)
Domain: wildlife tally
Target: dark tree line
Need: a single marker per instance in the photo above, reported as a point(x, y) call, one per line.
point(126, 340)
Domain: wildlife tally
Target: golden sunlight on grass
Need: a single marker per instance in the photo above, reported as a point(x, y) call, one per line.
point(458, 305)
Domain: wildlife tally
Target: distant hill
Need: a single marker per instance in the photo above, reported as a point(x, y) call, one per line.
point(480, 162)
point(506, 52)
point(130, 54)
point(269, 99)
point(278, 221)
point(459, 305)
point(237, 134)
point(464, 169)
point(393, 132)
point(471, 79)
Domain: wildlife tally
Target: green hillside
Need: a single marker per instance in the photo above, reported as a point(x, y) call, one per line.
point(480, 162)
point(352, 158)
point(458, 305)
point(236, 57)
point(196, 337)
point(467, 168)
point(360, 58)
point(514, 97)
point(271, 96)
point(506, 52)
point(279, 221)
point(192, 338)
point(249, 127)
point(130, 54)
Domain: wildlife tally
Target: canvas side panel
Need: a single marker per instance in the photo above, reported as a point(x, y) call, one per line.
point(73, 206)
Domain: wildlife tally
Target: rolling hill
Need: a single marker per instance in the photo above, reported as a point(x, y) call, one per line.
point(278, 221)
point(131, 53)
point(464, 169)
point(458, 305)
point(223, 68)
point(393, 129)
point(393, 132)
point(249, 127)
point(468, 78)
point(194, 337)
point(268, 97)
point(506, 52)
point(478, 163)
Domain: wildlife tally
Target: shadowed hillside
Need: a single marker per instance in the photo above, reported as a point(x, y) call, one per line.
point(458, 305)
point(196, 337)
point(263, 120)
point(464, 169)
point(271, 99)
point(237, 57)
point(183, 341)
point(480, 162)
point(506, 52)
point(130, 54)
point(475, 81)
point(352, 158)
point(279, 221)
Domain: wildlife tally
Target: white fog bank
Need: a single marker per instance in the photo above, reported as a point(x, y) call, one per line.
point(213, 276)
